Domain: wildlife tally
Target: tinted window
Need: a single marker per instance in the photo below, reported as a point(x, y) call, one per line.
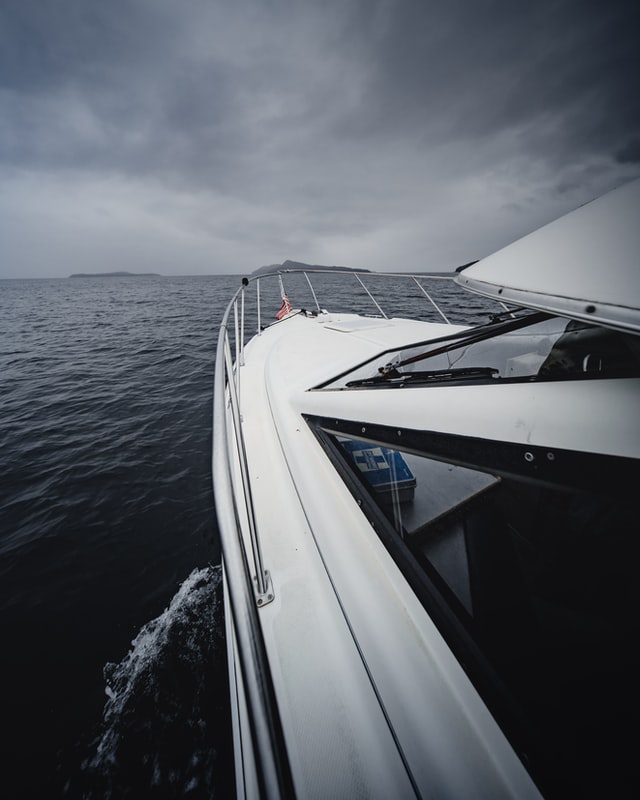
point(543, 581)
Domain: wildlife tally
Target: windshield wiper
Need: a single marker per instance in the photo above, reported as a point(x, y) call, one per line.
point(396, 379)
point(472, 336)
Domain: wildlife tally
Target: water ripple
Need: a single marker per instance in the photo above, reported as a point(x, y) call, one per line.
point(105, 510)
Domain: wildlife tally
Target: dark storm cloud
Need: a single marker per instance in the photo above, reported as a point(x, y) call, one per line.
point(232, 97)
point(103, 84)
point(362, 130)
point(566, 70)
point(120, 83)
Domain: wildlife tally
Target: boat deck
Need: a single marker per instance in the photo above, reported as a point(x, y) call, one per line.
point(350, 646)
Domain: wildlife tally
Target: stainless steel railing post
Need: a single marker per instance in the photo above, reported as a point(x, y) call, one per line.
point(244, 285)
point(258, 303)
point(371, 296)
point(312, 292)
point(430, 299)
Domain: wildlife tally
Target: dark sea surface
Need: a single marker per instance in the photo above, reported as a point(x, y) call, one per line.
point(113, 666)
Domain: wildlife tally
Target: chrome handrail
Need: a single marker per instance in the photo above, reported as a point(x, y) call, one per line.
point(430, 299)
point(272, 766)
point(375, 302)
point(232, 384)
point(359, 276)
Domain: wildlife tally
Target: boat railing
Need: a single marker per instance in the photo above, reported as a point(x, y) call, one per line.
point(362, 279)
point(228, 387)
point(247, 581)
point(245, 592)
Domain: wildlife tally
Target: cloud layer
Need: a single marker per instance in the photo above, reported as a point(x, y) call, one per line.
point(202, 136)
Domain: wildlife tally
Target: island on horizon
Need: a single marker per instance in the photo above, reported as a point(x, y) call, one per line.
point(118, 274)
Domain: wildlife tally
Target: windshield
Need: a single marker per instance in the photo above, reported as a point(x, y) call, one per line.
point(534, 347)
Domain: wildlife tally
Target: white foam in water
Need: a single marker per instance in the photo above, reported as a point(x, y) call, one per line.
point(158, 722)
point(147, 644)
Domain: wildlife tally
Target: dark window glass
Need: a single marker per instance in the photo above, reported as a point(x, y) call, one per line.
point(544, 583)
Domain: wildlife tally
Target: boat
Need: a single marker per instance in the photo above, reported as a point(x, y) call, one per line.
point(428, 527)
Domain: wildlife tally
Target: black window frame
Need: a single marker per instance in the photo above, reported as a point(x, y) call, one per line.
point(567, 470)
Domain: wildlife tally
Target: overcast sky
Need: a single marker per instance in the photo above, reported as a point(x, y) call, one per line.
point(216, 136)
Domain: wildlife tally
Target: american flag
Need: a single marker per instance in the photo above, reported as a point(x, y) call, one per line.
point(285, 308)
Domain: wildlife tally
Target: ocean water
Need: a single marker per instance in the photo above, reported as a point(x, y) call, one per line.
point(113, 666)
point(110, 601)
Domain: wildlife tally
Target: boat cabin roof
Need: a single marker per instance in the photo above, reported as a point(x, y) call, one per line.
point(582, 266)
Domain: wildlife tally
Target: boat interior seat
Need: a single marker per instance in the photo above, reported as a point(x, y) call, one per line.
point(590, 349)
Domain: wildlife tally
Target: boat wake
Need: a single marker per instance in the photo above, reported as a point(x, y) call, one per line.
point(160, 732)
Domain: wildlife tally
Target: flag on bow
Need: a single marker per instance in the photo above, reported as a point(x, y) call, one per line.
point(285, 308)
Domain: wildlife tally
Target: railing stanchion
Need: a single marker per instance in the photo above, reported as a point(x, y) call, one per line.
point(236, 331)
point(244, 284)
point(371, 296)
point(312, 292)
point(258, 302)
point(430, 299)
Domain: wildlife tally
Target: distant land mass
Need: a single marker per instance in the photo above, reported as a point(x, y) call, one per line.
point(119, 274)
point(292, 266)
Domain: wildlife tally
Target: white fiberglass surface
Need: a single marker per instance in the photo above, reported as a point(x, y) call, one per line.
point(338, 743)
point(579, 262)
point(429, 703)
point(534, 575)
point(363, 675)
